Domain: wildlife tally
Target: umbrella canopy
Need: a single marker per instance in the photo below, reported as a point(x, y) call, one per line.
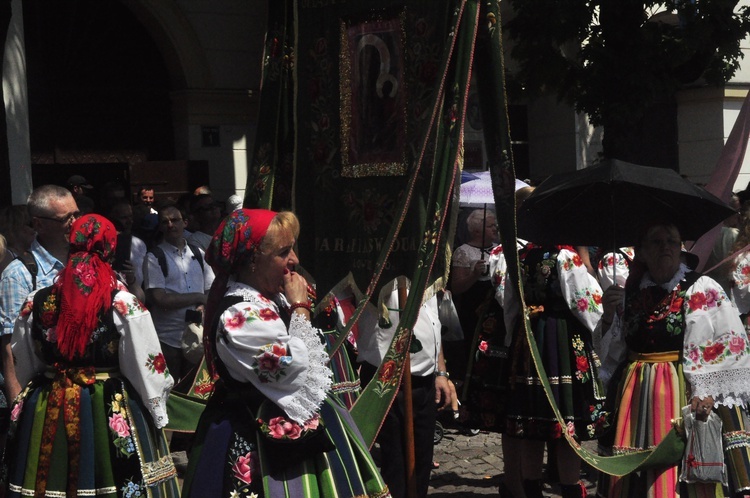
point(476, 193)
point(476, 189)
point(608, 204)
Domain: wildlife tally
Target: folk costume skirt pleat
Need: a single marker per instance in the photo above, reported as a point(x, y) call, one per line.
point(736, 436)
point(652, 394)
point(100, 441)
point(571, 365)
point(231, 457)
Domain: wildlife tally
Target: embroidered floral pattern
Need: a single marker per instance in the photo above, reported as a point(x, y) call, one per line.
point(574, 262)
point(132, 489)
point(244, 466)
point(585, 300)
point(268, 314)
point(600, 418)
point(732, 345)
point(204, 385)
point(583, 369)
point(156, 363)
point(119, 427)
point(705, 301)
point(283, 428)
point(129, 307)
point(270, 363)
point(670, 309)
point(49, 310)
point(15, 413)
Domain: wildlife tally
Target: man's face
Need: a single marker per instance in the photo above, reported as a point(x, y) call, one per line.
point(171, 225)
point(122, 217)
point(207, 212)
point(147, 197)
point(53, 226)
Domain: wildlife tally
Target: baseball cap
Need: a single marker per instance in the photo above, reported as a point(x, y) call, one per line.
point(79, 181)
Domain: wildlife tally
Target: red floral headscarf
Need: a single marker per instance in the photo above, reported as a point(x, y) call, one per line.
point(238, 237)
point(84, 287)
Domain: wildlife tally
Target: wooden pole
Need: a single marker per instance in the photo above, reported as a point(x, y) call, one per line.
point(411, 476)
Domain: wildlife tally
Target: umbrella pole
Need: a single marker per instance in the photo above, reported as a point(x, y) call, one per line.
point(484, 233)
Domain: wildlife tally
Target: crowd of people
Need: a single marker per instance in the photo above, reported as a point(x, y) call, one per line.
point(95, 298)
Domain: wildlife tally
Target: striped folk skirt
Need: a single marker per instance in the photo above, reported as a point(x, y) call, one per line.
point(652, 394)
point(231, 457)
point(85, 440)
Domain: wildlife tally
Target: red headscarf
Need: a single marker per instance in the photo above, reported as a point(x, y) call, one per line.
point(84, 287)
point(238, 237)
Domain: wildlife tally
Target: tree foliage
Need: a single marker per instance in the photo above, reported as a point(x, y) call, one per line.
point(615, 59)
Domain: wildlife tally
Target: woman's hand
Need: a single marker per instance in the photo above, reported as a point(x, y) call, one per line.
point(612, 299)
point(701, 407)
point(481, 267)
point(295, 287)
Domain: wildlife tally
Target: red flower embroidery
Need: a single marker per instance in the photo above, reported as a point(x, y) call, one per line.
point(697, 301)
point(268, 362)
point(243, 467)
point(582, 363)
point(281, 428)
point(583, 304)
point(389, 368)
point(160, 364)
point(236, 321)
point(203, 388)
point(712, 352)
point(676, 305)
point(267, 314)
point(279, 350)
point(121, 307)
point(736, 345)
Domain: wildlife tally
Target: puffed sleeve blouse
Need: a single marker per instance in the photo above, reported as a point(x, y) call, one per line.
point(286, 363)
point(140, 358)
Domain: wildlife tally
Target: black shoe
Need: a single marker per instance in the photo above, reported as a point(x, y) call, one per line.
point(533, 488)
point(504, 491)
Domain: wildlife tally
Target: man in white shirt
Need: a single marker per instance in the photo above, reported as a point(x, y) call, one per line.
point(430, 388)
point(176, 282)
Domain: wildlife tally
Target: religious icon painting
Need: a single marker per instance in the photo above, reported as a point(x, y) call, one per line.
point(373, 98)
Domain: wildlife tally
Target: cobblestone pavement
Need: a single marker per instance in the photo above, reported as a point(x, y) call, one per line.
point(472, 465)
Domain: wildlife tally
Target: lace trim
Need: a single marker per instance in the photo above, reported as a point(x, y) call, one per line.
point(676, 279)
point(158, 409)
point(726, 387)
point(317, 383)
point(318, 377)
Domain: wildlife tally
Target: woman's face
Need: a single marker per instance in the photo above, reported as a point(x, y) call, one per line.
point(271, 264)
point(661, 250)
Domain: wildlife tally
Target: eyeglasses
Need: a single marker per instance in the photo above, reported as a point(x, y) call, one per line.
point(167, 221)
point(63, 221)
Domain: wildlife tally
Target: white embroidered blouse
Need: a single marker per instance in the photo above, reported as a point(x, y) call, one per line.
point(287, 365)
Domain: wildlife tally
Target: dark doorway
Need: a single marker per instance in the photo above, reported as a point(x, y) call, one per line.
point(98, 87)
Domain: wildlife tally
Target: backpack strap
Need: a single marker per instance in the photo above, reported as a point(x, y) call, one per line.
point(196, 253)
point(32, 266)
point(162, 258)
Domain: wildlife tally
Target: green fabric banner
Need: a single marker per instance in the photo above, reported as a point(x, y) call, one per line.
point(491, 89)
point(375, 132)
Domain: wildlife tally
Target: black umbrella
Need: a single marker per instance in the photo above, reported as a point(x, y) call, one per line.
point(608, 204)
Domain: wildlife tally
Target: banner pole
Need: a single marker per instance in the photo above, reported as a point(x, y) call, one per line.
point(411, 476)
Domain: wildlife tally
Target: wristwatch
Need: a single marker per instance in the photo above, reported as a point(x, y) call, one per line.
point(443, 373)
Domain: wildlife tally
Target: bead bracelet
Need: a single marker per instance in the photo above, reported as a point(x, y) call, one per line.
point(294, 306)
